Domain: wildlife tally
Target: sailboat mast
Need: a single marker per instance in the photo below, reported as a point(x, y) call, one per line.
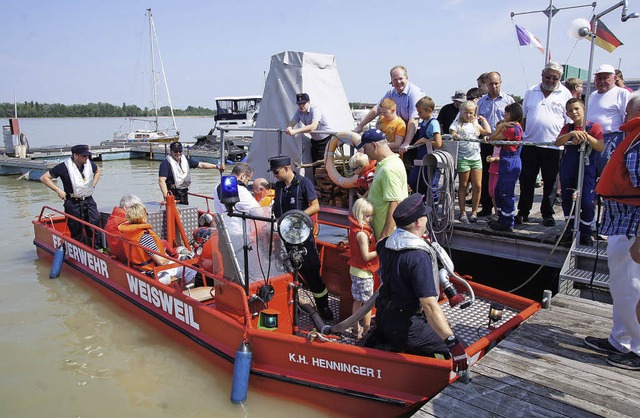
point(154, 91)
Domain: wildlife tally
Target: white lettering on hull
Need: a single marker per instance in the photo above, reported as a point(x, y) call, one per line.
point(337, 366)
point(175, 307)
point(91, 261)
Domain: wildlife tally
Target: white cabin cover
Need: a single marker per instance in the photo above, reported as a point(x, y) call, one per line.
point(291, 73)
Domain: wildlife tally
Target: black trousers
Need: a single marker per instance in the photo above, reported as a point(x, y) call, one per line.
point(317, 148)
point(181, 195)
point(534, 160)
point(485, 198)
point(87, 210)
point(310, 270)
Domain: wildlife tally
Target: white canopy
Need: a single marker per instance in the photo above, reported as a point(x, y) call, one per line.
point(291, 73)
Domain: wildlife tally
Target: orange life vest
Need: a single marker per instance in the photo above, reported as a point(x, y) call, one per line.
point(117, 218)
point(365, 178)
point(356, 259)
point(137, 255)
point(615, 181)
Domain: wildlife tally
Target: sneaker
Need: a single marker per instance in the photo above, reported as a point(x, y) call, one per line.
point(548, 221)
point(497, 226)
point(629, 361)
point(586, 240)
point(473, 218)
point(492, 217)
point(464, 219)
point(601, 345)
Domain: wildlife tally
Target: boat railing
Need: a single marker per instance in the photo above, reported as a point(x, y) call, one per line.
point(48, 215)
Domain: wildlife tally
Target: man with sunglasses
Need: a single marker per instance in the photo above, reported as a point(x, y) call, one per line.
point(174, 174)
point(544, 116)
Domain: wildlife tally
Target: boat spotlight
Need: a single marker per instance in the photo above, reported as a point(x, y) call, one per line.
point(295, 227)
point(495, 313)
point(229, 192)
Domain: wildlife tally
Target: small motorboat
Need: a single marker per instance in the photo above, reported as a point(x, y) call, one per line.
point(284, 345)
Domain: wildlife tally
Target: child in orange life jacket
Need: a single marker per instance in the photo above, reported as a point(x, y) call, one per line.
point(364, 169)
point(575, 134)
point(364, 259)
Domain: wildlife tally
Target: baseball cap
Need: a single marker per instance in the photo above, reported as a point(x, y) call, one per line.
point(302, 98)
point(605, 68)
point(175, 147)
point(372, 135)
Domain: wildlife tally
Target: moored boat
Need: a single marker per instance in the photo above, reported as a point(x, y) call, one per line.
point(151, 131)
point(291, 356)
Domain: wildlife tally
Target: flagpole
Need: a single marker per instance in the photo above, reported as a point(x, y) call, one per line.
point(550, 12)
point(591, 33)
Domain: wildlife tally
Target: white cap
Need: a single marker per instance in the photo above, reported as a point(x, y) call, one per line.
point(605, 68)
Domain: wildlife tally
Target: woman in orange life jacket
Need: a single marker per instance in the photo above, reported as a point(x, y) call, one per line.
point(137, 230)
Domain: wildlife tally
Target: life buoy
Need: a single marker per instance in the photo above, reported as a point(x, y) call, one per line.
point(329, 154)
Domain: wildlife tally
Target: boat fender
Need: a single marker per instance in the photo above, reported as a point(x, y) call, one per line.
point(241, 369)
point(58, 259)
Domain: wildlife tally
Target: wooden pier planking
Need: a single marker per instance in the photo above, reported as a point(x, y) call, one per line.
point(544, 369)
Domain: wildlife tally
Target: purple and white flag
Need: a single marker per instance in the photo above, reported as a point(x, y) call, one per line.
point(527, 38)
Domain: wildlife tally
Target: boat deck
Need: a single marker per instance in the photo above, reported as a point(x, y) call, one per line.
point(530, 242)
point(544, 369)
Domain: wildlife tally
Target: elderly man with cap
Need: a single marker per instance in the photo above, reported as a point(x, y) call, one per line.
point(448, 113)
point(389, 186)
point(174, 174)
point(405, 94)
point(607, 106)
point(409, 318)
point(293, 191)
point(79, 178)
point(310, 118)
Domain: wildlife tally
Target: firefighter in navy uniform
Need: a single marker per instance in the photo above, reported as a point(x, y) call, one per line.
point(79, 178)
point(293, 191)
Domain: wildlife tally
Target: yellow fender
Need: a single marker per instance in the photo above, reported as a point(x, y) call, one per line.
point(329, 153)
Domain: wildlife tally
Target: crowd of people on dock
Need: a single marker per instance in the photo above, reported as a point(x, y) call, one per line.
point(388, 222)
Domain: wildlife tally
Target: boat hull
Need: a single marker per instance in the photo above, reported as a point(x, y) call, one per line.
point(343, 378)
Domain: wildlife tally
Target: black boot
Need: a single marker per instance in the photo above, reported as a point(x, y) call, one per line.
point(323, 307)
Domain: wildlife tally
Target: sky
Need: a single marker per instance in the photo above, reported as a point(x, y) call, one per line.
point(81, 51)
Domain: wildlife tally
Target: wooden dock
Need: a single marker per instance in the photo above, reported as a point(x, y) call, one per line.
point(543, 369)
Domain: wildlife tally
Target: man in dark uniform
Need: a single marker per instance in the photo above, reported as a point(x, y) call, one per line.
point(293, 191)
point(79, 177)
point(409, 318)
point(174, 174)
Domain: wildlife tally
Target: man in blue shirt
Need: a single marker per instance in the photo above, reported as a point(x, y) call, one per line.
point(491, 106)
point(405, 95)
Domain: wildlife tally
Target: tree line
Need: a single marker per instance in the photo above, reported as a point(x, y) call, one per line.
point(93, 110)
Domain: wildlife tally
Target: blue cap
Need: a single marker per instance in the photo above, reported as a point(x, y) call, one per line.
point(372, 135)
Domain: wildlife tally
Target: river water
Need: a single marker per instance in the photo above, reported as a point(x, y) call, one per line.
point(69, 351)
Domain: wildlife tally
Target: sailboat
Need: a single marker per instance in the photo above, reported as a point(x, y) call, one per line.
point(151, 131)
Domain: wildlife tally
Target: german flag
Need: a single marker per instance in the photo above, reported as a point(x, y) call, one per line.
point(605, 39)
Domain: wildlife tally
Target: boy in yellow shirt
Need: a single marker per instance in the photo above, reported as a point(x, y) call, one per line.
point(394, 128)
